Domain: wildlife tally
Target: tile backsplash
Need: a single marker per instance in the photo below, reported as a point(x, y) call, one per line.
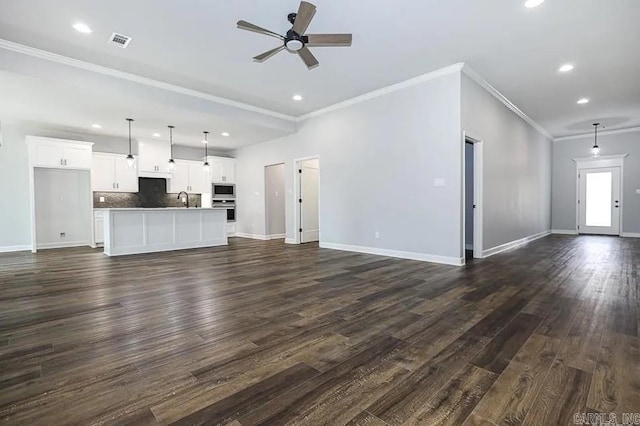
point(152, 193)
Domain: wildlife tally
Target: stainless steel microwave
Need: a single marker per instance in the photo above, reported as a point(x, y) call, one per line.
point(224, 190)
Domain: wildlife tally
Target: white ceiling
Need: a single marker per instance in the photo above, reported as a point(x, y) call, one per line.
point(194, 44)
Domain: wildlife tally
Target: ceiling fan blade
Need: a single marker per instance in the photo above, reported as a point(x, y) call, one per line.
point(304, 17)
point(307, 57)
point(266, 55)
point(325, 40)
point(244, 25)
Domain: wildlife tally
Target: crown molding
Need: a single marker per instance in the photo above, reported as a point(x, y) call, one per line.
point(384, 91)
point(499, 96)
point(602, 133)
point(76, 63)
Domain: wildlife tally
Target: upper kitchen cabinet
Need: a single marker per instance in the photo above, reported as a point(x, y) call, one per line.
point(153, 159)
point(59, 153)
point(189, 176)
point(111, 173)
point(223, 169)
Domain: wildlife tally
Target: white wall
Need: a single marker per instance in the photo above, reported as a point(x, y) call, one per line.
point(564, 177)
point(15, 222)
point(63, 205)
point(517, 168)
point(275, 199)
point(379, 159)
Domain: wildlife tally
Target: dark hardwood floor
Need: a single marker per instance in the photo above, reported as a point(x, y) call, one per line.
point(259, 333)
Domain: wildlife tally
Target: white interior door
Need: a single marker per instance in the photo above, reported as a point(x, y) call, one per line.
point(599, 201)
point(309, 183)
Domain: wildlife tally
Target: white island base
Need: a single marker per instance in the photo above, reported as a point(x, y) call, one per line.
point(132, 231)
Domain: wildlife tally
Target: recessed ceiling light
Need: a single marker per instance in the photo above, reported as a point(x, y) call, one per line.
point(583, 101)
point(566, 68)
point(530, 4)
point(82, 28)
point(156, 135)
point(96, 126)
point(297, 98)
point(225, 134)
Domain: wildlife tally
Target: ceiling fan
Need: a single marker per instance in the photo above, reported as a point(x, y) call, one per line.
point(296, 41)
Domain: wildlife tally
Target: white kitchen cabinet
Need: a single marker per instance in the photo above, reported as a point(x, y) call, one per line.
point(98, 226)
point(59, 153)
point(153, 159)
point(223, 170)
point(111, 173)
point(189, 176)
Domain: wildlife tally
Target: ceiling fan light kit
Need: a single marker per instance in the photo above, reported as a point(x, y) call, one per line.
point(296, 41)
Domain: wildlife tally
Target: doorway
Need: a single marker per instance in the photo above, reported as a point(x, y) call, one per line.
point(274, 201)
point(472, 194)
point(469, 200)
point(308, 171)
point(599, 200)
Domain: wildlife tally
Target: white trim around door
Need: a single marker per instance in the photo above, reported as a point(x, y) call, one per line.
point(296, 198)
point(602, 162)
point(478, 221)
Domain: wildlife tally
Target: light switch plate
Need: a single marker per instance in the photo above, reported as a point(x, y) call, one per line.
point(638, 191)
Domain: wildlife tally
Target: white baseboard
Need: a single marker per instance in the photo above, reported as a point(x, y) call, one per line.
point(260, 237)
point(8, 249)
point(396, 253)
point(630, 235)
point(251, 236)
point(514, 244)
point(46, 246)
point(290, 241)
point(564, 231)
point(276, 237)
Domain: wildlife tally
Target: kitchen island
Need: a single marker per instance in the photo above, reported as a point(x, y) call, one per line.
point(143, 230)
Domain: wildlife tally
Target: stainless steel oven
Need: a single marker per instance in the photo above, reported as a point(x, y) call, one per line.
point(224, 191)
point(229, 206)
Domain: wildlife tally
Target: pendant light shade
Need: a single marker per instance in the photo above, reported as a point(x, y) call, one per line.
point(205, 166)
point(130, 160)
point(172, 164)
point(595, 150)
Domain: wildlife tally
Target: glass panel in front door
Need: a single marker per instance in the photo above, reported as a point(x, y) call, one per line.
point(599, 199)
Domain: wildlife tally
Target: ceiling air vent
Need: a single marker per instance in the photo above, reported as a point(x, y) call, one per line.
point(119, 40)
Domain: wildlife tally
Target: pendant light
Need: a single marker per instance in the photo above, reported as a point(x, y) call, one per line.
point(172, 164)
point(130, 160)
point(596, 149)
point(205, 166)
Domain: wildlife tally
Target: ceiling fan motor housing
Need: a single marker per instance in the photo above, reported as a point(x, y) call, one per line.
point(294, 41)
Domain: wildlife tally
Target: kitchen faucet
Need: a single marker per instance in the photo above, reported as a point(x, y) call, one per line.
point(187, 196)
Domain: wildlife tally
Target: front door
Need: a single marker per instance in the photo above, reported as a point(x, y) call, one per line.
point(599, 201)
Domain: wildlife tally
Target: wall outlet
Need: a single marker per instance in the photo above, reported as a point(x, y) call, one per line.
point(184, 199)
point(439, 182)
point(102, 199)
point(377, 234)
point(63, 234)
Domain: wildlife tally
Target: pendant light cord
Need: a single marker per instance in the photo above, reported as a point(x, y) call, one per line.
point(129, 120)
point(171, 139)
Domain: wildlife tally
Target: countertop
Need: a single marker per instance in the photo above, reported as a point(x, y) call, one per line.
point(158, 208)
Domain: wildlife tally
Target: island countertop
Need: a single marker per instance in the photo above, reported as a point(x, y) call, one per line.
point(147, 230)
